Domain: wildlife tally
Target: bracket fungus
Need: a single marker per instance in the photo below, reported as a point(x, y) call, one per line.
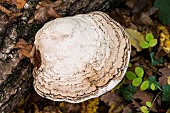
point(82, 57)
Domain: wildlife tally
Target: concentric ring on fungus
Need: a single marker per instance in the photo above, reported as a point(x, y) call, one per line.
point(82, 57)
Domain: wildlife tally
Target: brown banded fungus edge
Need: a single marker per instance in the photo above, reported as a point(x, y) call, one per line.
point(82, 57)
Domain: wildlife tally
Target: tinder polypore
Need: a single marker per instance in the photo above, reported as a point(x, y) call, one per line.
point(82, 57)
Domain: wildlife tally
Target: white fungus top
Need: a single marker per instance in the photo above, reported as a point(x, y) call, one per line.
point(82, 57)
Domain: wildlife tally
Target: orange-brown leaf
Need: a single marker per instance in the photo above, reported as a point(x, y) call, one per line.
point(20, 4)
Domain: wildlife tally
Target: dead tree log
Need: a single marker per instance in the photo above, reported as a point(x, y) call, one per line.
point(16, 75)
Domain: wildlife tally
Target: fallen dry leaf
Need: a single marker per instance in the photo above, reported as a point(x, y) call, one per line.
point(116, 109)
point(2, 1)
point(163, 80)
point(36, 109)
point(130, 3)
point(135, 37)
point(145, 19)
point(114, 101)
point(41, 14)
point(69, 107)
point(140, 5)
point(149, 72)
point(46, 9)
point(9, 13)
point(165, 71)
point(136, 104)
point(127, 110)
point(152, 11)
point(129, 23)
point(5, 10)
point(159, 54)
point(25, 50)
point(51, 109)
point(110, 98)
point(20, 4)
point(44, 13)
point(13, 2)
point(145, 97)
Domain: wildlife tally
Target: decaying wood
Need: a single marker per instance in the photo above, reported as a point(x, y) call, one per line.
point(16, 75)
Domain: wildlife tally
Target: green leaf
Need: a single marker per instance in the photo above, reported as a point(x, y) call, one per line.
point(164, 8)
point(153, 86)
point(137, 81)
point(148, 104)
point(130, 75)
point(139, 71)
point(154, 61)
point(152, 80)
point(144, 85)
point(166, 93)
point(130, 65)
point(144, 109)
point(144, 44)
point(127, 92)
point(149, 36)
point(153, 42)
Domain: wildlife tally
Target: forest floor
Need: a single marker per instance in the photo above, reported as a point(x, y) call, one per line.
point(146, 85)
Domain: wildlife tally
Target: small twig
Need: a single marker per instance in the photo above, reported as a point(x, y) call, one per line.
point(149, 68)
point(155, 99)
point(6, 11)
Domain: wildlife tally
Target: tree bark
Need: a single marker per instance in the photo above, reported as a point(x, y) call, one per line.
point(16, 75)
point(72, 7)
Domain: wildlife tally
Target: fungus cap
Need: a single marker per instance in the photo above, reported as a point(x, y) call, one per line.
point(82, 57)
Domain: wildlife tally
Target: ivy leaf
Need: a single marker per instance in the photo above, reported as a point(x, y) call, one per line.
point(144, 44)
point(153, 42)
point(153, 86)
point(166, 93)
point(127, 92)
point(144, 85)
point(144, 96)
point(164, 7)
point(152, 80)
point(139, 71)
point(130, 75)
point(148, 104)
point(149, 36)
point(137, 81)
point(144, 109)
